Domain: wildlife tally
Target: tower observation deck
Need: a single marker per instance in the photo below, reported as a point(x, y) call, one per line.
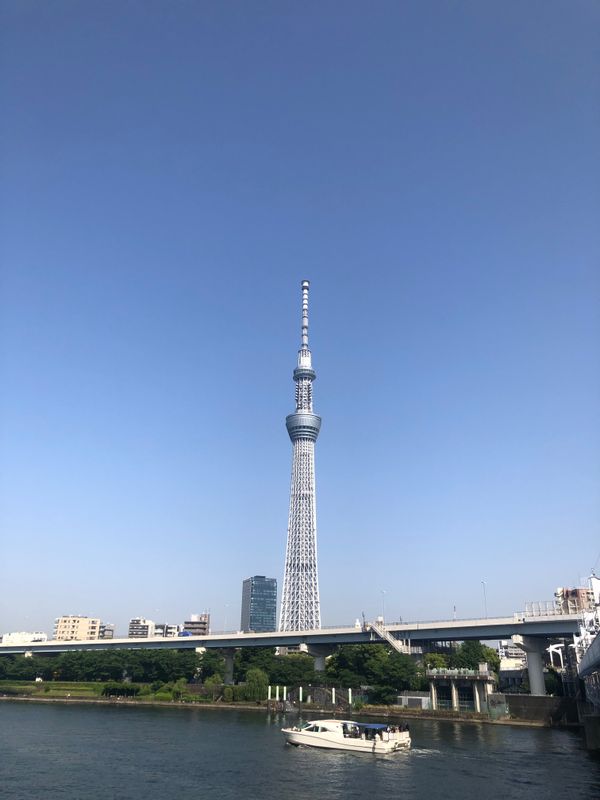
point(300, 608)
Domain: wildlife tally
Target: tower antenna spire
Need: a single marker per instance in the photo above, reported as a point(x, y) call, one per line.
point(305, 288)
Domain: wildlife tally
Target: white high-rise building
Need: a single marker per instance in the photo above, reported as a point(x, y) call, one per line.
point(300, 608)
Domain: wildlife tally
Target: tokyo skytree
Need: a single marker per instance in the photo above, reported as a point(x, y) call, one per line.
point(300, 610)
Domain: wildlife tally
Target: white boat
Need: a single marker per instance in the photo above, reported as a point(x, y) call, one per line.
point(363, 737)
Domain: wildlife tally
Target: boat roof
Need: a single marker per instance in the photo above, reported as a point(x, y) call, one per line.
point(375, 725)
point(371, 725)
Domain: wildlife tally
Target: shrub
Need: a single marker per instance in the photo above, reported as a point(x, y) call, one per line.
point(179, 688)
point(120, 690)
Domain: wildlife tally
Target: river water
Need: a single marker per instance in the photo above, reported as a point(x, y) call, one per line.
point(91, 752)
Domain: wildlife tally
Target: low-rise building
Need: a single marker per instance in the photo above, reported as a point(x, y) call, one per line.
point(167, 630)
point(107, 631)
point(141, 628)
point(574, 601)
point(24, 637)
point(197, 624)
point(414, 699)
point(461, 689)
point(508, 650)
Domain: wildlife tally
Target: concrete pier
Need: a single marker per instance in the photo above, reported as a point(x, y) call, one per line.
point(229, 654)
point(319, 653)
point(534, 648)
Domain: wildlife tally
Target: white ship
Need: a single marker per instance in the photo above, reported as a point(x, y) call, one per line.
point(362, 737)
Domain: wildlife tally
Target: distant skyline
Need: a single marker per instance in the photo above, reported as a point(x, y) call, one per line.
point(170, 172)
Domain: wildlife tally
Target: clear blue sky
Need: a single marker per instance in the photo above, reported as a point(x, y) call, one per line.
point(170, 172)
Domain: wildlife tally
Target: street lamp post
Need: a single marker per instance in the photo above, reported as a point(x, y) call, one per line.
point(484, 599)
point(383, 605)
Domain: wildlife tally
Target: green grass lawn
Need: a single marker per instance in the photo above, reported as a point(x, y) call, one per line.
point(52, 688)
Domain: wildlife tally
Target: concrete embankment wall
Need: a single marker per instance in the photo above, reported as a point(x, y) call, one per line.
point(549, 710)
point(591, 727)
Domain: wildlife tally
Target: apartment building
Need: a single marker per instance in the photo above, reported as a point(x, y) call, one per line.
point(141, 628)
point(197, 624)
point(73, 627)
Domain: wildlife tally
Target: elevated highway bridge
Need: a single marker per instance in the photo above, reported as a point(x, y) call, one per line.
point(418, 633)
point(530, 632)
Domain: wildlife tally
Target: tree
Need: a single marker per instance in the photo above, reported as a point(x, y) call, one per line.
point(296, 669)
point(257, 682)
point(378, 666)
point(470, 654)
point(179, 688)
point(247, 658)
point(348, 665)
point(215, 683)
point(553, 683)
point(435, 661)
point(402, 671)
point(211, 663)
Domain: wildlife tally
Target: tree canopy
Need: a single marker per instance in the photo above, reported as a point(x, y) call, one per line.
point(112, 665)
point(377, 666)
point(470, 654)
point(372, 665)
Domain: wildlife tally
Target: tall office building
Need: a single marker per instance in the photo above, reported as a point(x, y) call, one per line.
point(300, 609)
point(259, 604)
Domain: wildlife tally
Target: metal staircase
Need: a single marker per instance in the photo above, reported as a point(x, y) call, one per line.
point(379, 630)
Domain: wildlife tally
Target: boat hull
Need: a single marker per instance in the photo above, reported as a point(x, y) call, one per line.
point(324, 741)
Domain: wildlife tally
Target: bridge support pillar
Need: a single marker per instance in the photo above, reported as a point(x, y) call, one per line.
point(433, 695)
point(476, 697)
point(454, 690)
point(319, 652)
point(229, 654)
point(535, 666)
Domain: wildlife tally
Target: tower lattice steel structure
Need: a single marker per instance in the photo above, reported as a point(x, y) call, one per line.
point(300, 608)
